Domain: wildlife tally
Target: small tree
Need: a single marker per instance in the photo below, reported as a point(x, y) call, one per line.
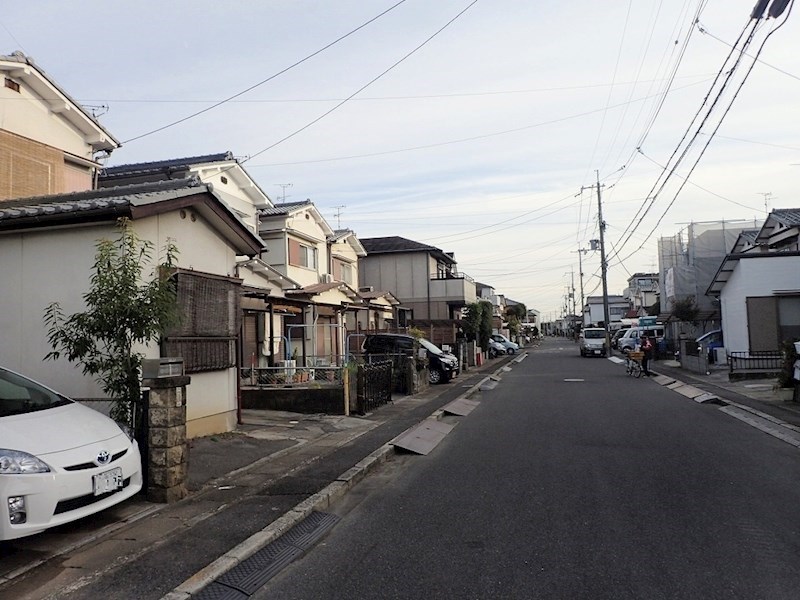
point(122, 311)
point(478, 322)
point(515, 315)
point(685, 310)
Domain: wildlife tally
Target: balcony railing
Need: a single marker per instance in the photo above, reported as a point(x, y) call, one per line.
point(451, 275)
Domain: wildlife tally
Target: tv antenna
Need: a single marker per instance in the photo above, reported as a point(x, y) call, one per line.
point(767, 198)
point(283, 187)
point(338, 215)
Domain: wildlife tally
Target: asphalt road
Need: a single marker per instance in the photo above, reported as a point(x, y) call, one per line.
point(569, 480)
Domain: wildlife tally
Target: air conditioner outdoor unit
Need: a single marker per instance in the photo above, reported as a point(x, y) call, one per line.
point(326, 278)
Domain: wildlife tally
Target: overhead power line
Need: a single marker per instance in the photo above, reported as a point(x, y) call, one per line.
point(270, 78)
point(776, 9)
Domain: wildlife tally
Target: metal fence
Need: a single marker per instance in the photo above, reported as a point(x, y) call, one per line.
point(374, 386)
point(757, 362)
point(290, 376)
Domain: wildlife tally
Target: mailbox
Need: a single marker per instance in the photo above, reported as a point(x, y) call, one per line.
point(154, 368)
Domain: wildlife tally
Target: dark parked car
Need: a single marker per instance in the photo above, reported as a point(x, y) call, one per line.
point(442, 366)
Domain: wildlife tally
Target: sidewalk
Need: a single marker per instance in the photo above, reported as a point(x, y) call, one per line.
point(758, 394)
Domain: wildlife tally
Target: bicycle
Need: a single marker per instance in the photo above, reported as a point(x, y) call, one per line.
point(633, 363)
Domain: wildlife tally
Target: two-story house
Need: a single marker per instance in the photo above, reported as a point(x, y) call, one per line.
point(642, 292)
point(594, 310)
point(423, 278)
point(302, 247)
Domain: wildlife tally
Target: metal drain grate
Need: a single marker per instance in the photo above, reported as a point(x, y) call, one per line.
point(253, 573)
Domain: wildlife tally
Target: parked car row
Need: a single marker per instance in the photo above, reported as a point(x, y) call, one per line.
point(442, 366)
point(510, 347)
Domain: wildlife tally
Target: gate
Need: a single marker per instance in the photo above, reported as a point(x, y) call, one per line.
point(374, 387)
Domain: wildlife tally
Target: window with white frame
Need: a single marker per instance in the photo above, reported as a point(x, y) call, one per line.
point(308, 256)
point(347, 272)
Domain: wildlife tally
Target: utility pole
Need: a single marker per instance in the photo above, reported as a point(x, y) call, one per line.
point(603, 265)
point(581, 252)
point(572, 292)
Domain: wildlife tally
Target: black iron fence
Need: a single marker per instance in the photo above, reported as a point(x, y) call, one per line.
point(374, 386)
point(763, 362)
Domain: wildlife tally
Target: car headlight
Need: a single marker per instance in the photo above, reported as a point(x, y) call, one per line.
point(14, 462)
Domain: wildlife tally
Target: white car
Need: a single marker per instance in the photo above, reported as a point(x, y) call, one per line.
point(592, 342)
point(59, 460)
point(511, 347)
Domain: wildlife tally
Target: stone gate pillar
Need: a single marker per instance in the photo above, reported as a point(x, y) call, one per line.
point(167, 454)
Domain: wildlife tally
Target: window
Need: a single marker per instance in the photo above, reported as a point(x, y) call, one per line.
point(12, 85)
point(308, 256)
point(303, 255)
point(346, 272)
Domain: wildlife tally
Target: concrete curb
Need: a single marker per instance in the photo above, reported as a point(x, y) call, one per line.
point(317, 502)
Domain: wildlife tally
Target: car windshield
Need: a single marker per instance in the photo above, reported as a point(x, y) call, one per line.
point(19, 395)
point(429, 346)
point(594, 334)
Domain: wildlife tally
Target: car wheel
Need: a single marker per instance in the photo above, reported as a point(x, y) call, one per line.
point(435, 376)
point(511, 351)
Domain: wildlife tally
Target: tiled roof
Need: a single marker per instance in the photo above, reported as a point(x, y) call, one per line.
point(164, 165)
point(340, 234)
point(787, 216)
point(749, 235)
point(283, 209)
point(91, 201)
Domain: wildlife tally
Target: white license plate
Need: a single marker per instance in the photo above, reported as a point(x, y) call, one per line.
point(107, 481)
point(598, 351)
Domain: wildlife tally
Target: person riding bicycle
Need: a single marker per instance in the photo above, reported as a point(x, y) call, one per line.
point(647, 347)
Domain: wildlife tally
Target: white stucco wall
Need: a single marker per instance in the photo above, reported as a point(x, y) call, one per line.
point(753, 277)
point(38, 268)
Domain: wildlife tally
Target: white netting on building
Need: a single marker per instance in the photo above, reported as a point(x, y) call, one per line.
point(689, 260)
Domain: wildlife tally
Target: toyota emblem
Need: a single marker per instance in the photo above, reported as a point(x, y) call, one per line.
point(103, 457)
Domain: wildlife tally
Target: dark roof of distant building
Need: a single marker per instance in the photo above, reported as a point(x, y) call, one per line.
point(397, 244)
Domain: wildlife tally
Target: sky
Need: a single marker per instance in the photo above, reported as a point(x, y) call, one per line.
point(480, 127)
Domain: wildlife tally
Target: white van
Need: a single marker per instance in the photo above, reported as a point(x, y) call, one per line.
point(631, 337)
